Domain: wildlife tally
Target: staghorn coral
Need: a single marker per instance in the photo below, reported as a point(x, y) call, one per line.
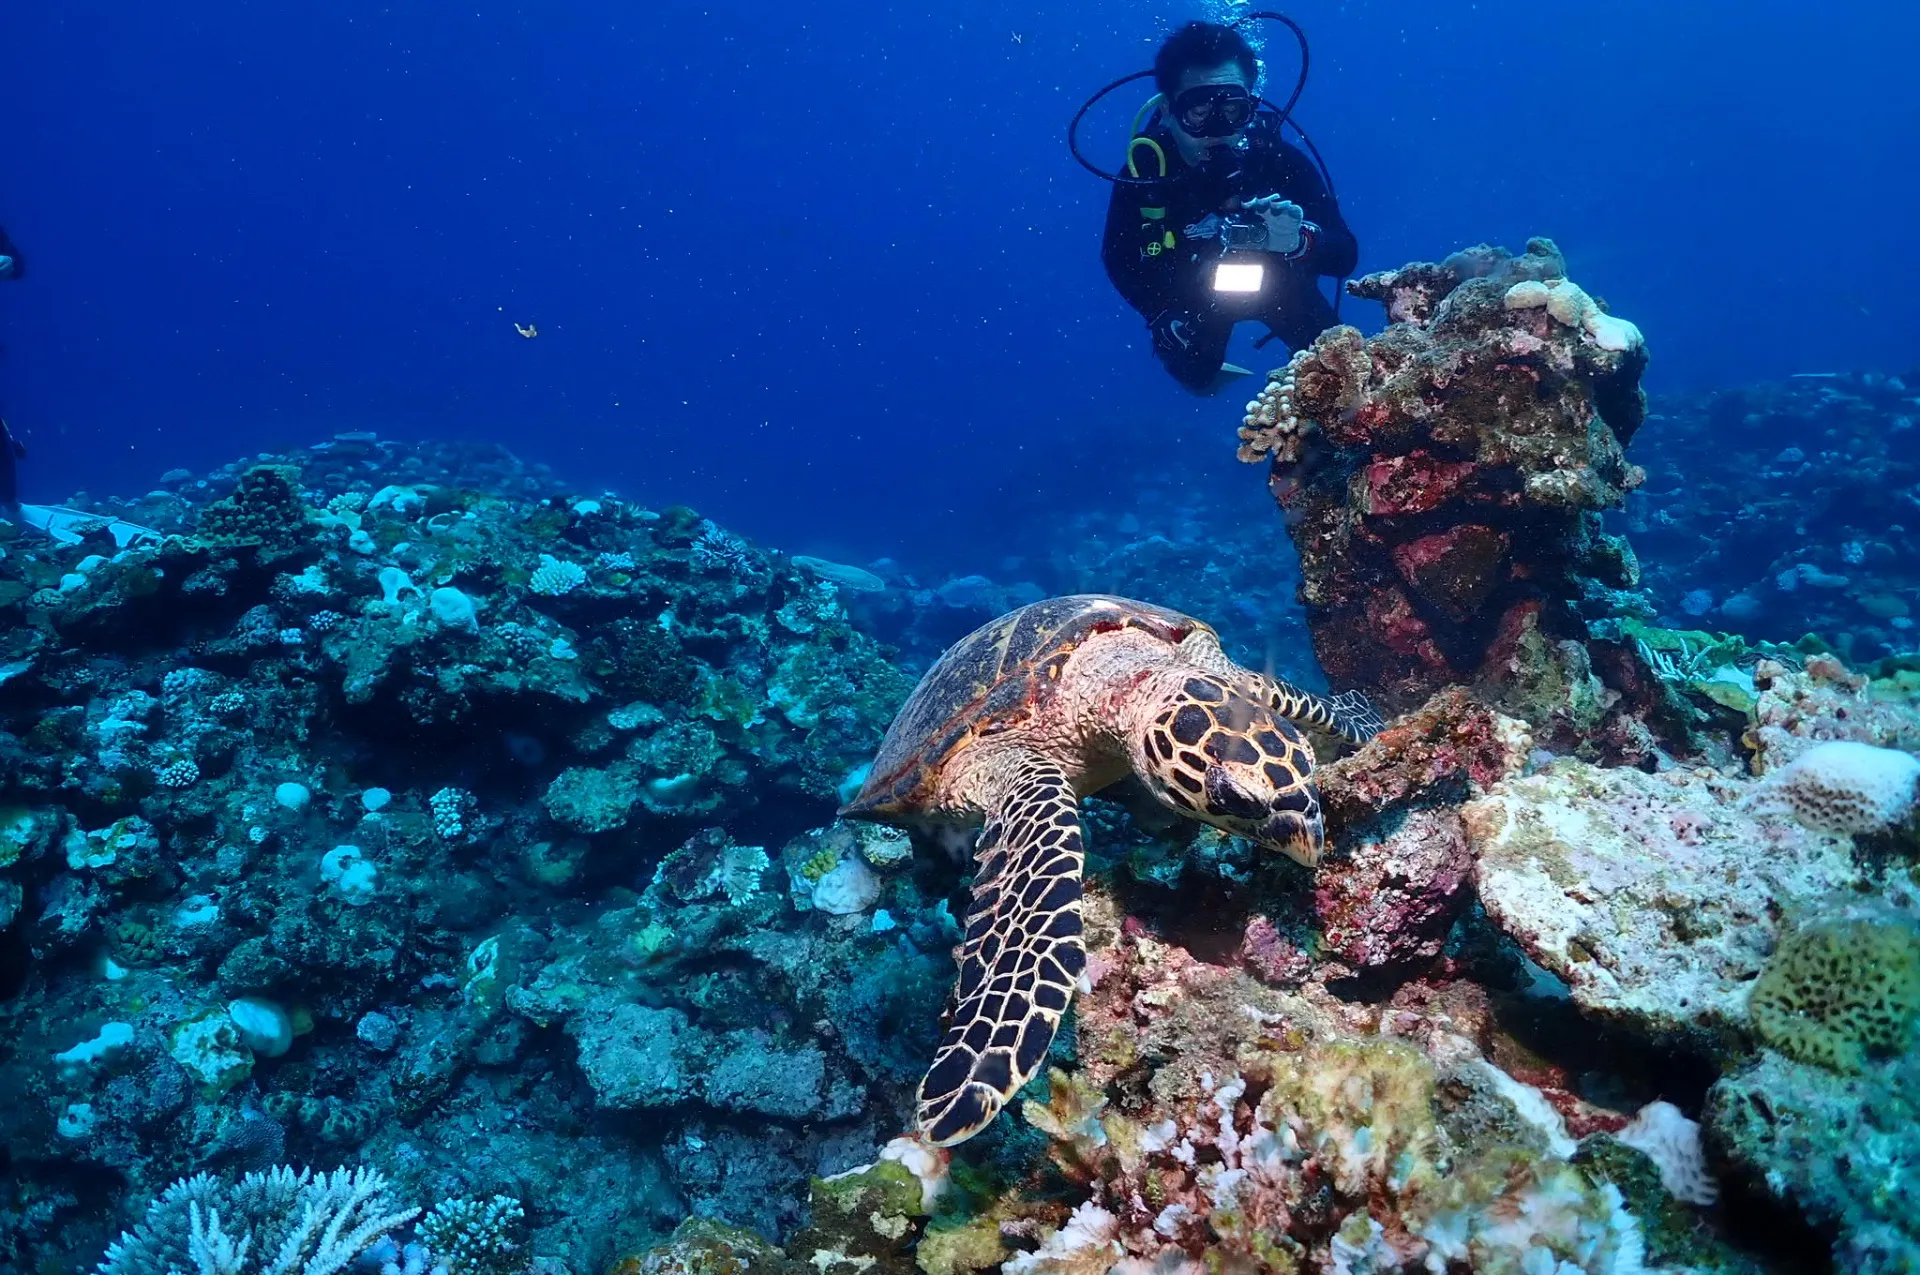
point(278, 1221)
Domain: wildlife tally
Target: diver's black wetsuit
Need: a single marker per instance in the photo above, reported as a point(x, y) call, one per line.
point(1163, 265)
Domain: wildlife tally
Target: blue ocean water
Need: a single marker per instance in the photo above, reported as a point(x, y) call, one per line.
point(827, 272)
point(492, 843)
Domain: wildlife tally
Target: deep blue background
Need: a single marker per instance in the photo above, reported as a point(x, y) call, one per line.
point(829, 275)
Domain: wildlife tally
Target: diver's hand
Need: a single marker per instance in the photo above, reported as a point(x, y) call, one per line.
point(1284, 219)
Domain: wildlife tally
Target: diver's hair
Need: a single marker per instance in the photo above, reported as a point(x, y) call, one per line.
point(1201, 44)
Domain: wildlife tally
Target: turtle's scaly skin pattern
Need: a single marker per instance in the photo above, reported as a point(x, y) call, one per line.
point(1350, 716)
point(1011, 726)
point(1208, 733)
point(1020, 959)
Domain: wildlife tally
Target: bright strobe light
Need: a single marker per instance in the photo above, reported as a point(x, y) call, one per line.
point(1238, 276)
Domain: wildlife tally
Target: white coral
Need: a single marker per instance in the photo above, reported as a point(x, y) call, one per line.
point(1087, 1245)
point(554, 577)
point(1846, 786)
point(1569, 304)
point(302, 1224)
point(1672, 1142)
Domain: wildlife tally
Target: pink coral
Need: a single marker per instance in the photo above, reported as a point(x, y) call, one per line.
point(1390, 899)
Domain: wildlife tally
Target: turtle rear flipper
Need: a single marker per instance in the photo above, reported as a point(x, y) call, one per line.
point(1020, 960)
point(1350, 715)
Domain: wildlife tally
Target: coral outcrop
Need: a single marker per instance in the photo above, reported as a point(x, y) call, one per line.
point(1443, 481)
point(477, 835)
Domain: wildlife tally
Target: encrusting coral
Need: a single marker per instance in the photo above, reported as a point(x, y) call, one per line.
point(1840, 990)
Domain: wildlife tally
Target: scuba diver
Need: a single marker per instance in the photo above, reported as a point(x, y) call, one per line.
point(1219, 220)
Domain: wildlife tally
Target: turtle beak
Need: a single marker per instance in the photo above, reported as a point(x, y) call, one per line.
point(1294, 836)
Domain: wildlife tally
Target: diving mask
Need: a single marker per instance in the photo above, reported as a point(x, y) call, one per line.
point(1214, 110)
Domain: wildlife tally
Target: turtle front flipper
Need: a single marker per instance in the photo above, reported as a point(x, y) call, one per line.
point(1021, 957)
point(1350, 715)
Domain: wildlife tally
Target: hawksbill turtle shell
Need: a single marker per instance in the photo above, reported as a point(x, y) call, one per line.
point(996, 678)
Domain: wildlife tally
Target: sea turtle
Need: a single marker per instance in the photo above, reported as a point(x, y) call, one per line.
point(1016, 722)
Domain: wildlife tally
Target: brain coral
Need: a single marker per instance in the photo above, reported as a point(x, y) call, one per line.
point(1837, 991)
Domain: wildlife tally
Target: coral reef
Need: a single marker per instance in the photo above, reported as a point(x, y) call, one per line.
point(1656, 897)
point(1444, 481)
point(1843, 1149)
point(1785, 509)
point(372, 806)
point(399, 808)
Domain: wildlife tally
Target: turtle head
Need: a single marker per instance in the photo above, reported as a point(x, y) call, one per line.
point(1210, 752)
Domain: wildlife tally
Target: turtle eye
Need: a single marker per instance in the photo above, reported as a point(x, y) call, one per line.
point(1228, 796)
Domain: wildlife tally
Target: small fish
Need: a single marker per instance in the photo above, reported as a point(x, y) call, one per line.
point(529, 331)
point(11, 454)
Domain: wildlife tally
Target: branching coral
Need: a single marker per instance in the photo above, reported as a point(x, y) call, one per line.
point(555, 577)
point(1271, 428)
point(272, 1223)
